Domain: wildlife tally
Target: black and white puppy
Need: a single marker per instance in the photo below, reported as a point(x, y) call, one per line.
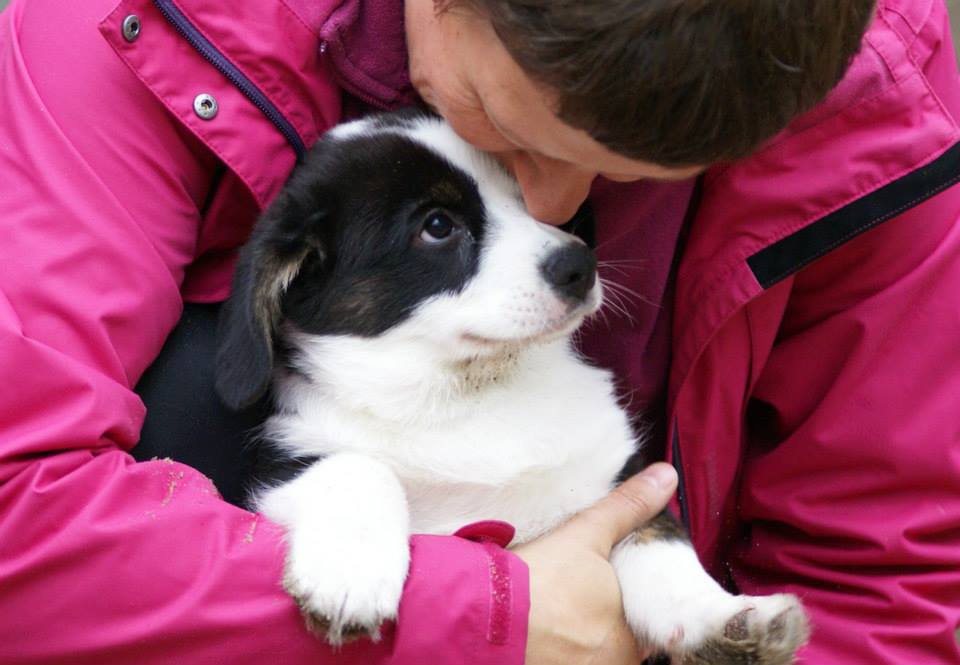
point(414, 322)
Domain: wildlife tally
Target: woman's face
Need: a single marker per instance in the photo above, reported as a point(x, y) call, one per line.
point(459, 66)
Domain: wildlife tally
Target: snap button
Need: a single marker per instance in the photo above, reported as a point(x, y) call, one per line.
point(131, 28)
point(205, 106)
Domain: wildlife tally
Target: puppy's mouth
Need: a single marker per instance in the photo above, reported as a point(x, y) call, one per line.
point(548, 330)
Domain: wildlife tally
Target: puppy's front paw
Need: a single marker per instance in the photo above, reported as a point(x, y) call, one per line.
point(345, 594)
point(767, 631)
point(347, 531)
point(675, 607)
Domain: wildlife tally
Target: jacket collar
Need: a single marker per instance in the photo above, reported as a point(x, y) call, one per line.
point(365, 41)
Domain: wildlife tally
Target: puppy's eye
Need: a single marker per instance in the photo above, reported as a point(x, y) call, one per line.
point(437, 228)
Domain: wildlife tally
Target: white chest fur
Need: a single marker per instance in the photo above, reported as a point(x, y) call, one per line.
point(527, 438)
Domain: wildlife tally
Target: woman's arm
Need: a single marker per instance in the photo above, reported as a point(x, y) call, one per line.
point(103, 559)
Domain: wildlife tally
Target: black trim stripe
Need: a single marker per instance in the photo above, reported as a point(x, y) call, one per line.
point(787, 256)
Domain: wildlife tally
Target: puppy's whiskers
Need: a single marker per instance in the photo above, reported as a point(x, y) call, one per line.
point(618, 300)
point(621, 266)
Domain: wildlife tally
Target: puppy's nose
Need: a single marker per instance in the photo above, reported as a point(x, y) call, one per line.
point(571, 270)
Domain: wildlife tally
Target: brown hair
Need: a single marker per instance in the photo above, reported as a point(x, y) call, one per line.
point(681, 82)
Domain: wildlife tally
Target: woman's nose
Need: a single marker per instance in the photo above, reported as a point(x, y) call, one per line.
point(552, 190)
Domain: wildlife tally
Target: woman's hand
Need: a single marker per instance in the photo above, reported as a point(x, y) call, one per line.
point(576, 614)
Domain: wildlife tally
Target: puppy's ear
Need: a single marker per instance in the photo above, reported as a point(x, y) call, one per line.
point(286, 234)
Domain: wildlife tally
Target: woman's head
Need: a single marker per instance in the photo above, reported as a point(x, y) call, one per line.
point(564, 90)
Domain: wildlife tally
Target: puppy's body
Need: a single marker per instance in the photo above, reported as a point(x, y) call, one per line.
point(424, 321)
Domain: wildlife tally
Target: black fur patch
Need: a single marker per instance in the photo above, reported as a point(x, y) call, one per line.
point(374, 269)
point(342, 249)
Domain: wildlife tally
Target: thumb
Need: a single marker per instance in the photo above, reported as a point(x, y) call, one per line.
point(637, 500)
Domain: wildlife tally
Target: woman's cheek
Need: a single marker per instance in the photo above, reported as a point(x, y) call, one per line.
point(474, 128)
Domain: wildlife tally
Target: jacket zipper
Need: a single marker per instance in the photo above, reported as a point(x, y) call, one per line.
point(681, 485)
point(203, 46)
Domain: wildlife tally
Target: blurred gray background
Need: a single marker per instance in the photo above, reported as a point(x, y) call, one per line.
point(954, 6)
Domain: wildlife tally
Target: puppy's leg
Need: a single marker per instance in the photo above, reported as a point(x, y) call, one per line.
point(347, 531)
point(675, 607)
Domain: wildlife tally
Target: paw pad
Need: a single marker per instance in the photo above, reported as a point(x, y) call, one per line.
point(767, 633)
point(738, 628)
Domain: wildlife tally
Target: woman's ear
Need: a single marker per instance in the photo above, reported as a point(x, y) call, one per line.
point(286, 234)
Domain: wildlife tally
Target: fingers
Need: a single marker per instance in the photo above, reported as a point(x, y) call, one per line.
point(625, 509)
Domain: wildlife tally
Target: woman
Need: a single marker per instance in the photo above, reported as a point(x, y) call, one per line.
point(139, 141)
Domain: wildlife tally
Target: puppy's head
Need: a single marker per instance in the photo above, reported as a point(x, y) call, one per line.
point(394, 225)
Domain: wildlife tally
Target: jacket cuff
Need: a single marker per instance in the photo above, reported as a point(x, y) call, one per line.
point(466, 600)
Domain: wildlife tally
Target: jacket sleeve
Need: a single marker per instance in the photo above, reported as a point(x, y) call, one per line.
point(104, 560)
point(849, 495)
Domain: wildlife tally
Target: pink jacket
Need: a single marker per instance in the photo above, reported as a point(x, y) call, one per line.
point(814, 385)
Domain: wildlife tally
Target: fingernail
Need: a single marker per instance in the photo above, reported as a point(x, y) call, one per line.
point(661, 476)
